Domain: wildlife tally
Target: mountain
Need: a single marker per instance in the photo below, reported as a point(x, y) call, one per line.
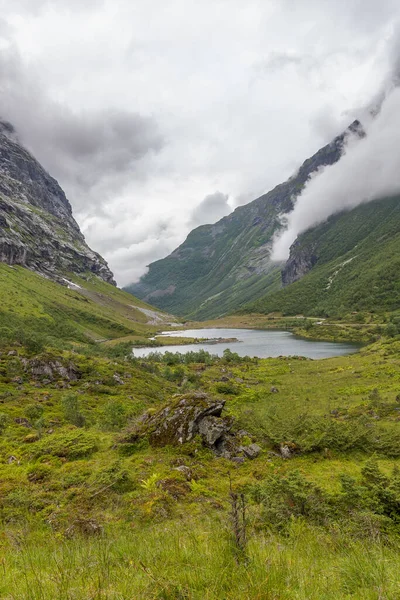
point(349, 263)
point(37, 229)
point(222, 266)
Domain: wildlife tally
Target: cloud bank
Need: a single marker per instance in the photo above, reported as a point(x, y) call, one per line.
point(369, 169)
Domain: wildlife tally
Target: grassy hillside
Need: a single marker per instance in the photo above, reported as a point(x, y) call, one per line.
point(85, 516)
point(357, 268)
point(88, 309)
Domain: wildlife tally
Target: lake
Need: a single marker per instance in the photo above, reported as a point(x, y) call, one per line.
point(252, 342)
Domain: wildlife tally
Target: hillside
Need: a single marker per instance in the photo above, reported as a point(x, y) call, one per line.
point(220, 267)
point(349, 263)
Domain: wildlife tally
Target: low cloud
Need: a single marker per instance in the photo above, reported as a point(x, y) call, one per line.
point(211, 209)
point(368, 170)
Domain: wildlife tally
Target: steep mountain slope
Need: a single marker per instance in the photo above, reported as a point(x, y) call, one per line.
point(219, 267)
point(350, 262)
point(37, 229)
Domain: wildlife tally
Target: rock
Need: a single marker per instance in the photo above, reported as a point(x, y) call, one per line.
point(251, 451)
point(118, 379)
point(12, 353)
point(184, 418)
point(212, 429)
point(51, 369)
point(274, 390)
point(22, 421)
point(12, 459)
point(285, 451)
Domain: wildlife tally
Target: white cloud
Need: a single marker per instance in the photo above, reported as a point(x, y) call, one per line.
point(369, 169)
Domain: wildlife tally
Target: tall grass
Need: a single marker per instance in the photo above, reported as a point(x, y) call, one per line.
point(197, 562)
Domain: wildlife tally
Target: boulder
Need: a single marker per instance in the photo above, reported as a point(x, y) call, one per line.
point(184, 418)
point(251, 451)
point(51, 369)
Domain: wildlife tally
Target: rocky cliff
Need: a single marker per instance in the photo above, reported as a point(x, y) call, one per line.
point(37, 229)
point(222, 266)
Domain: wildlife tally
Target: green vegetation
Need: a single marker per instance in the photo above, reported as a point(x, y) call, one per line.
point(86, 516)
point(38, 312)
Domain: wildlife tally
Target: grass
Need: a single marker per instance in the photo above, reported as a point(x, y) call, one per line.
point(132, 537)
point(85, 516)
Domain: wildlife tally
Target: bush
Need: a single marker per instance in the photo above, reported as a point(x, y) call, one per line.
point(291, 496)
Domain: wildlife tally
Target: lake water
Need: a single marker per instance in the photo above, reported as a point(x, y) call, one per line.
point(253, 342)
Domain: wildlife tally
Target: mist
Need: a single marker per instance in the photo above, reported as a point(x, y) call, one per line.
point(369, 169)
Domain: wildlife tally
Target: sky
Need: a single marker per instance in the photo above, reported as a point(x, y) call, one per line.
point(156, 117)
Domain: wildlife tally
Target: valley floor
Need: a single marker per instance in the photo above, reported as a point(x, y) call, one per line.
point(84, 515)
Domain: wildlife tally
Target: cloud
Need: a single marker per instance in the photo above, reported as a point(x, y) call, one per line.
point(368, 170)
point(211, 209)
point(91, 152)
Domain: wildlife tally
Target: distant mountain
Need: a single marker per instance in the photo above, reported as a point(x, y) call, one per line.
point(37, 229)
point(220, 267)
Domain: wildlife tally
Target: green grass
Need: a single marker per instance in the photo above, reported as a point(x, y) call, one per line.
point(83, 516)
point(95, 311)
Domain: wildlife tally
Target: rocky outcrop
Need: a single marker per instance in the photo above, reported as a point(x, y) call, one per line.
point(37, 229)
point(186, 417)
point(301, 261)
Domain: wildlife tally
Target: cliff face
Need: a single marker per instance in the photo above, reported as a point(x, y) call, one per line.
point(37, 229)
point(222, 266)
point(300, 262)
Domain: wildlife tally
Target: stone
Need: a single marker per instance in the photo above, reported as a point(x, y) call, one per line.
point(12, 353)
point(184, 418)
point(285, 451)
point(51, 369)
point(274, 390)
point(212, 429)
point(251, 451)
point(118, 379)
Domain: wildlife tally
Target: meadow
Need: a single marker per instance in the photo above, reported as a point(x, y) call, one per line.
point(84, 515)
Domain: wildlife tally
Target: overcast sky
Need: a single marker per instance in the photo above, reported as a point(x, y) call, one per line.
point(159, 116)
